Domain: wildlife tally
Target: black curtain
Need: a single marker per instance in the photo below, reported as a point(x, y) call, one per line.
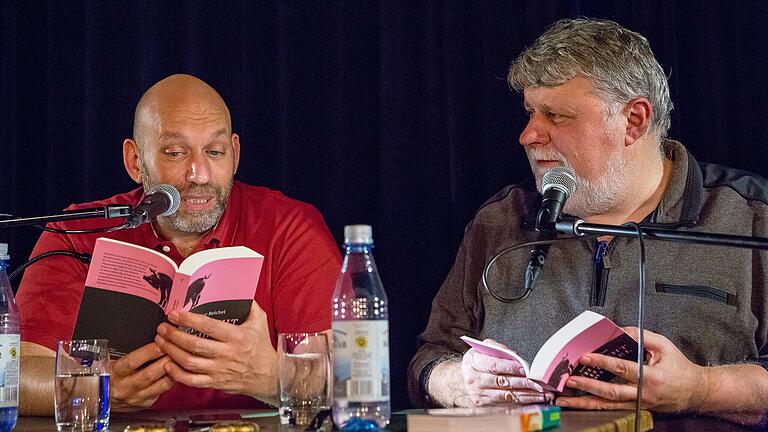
point(391, 113)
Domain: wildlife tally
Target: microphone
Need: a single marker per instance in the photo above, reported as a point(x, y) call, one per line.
point(162, 200)
point(557, 185)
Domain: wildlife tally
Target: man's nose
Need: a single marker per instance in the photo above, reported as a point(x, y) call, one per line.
point(535, 132)
point(199, 169)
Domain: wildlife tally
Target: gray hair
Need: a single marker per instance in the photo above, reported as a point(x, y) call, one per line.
point(618, 62)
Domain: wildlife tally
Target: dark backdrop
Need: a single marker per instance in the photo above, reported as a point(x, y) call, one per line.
point(395, 114)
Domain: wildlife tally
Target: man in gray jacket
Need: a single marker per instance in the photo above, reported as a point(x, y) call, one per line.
point(599, 104)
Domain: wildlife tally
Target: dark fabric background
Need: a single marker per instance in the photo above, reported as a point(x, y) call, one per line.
point(391, 113)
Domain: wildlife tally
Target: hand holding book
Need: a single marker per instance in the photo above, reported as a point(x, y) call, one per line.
point(558, 357)
point(234, 358)
point(672, 383)
point(493, 380)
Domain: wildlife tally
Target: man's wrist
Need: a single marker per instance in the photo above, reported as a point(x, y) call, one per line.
point(440, 386)
point(700, 393)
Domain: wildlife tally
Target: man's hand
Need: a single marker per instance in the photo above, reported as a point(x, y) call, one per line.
point(490, 380)
point(237, 359)
point(671, 382)
point(133, 388)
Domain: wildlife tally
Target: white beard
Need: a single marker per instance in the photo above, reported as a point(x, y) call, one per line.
point(592, 197)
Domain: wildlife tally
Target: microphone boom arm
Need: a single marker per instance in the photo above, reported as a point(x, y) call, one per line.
point(579, 228)
point(111, 211)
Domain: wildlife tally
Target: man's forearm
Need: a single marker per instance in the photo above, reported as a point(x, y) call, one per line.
point(445, 383)
point(36, 385)
point(736, 392)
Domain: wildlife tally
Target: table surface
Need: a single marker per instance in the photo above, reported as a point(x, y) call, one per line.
point(571, 421)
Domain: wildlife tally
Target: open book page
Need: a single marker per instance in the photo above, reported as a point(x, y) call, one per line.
point(498, 352)
point(131, 269)
point(130, 289)
point(589, 332)
point(210, 280)
point(559, 357)
point(125, 291)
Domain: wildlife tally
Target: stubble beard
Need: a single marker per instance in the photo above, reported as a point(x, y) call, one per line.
point(194, 222)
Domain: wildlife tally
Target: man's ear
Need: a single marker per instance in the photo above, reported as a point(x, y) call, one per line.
point(235, 151)
point(131, 159)
point(638, 112)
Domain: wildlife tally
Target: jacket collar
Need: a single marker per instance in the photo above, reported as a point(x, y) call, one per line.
point(682, 200)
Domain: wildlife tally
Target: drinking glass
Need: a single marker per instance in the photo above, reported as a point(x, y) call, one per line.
point(304, 378)
point(82, 385)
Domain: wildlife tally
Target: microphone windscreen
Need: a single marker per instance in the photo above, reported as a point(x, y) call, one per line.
point(561, 178)
point(173, 195)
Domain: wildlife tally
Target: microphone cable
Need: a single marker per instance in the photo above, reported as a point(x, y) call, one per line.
point(87, 231)
point(84, 257)
point(514, 248)
point(640, 324)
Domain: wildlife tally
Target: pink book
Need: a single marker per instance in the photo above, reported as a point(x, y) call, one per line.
point(130, 289)
point(558, 358)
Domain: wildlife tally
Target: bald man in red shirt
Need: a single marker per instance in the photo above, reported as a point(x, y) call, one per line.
point(183, 137)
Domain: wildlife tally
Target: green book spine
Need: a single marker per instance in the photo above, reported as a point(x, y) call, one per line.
point(550, 417)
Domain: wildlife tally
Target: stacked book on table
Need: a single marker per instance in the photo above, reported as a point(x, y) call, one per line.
point(527, 418)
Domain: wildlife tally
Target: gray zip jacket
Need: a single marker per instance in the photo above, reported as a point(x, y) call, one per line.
point(709, 301)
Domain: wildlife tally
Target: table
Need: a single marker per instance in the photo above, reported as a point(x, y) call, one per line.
point(571, 421)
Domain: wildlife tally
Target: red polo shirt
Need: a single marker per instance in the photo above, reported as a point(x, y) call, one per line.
point(301, 264)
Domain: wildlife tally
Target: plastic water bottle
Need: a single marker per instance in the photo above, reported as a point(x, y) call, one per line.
point(9, 348)
point(360, 338)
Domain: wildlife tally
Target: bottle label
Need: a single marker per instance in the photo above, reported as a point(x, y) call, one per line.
point(9, 370)
point(361, 361)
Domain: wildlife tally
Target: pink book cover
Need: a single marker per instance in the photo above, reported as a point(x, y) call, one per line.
point(130, 289)
point(559, 357)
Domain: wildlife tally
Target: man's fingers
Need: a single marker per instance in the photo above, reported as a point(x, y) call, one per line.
point(604, 390)
point(625, 369)
point(593, 403)
point(520, 397)
point(153, 372)
point(256, 316)
point(187, 378)
point(136, 358)
point(651, 340)
point(192, 344)
point(157, 388)
point(503, 382)
point(216, 329)
point(147, 396)
point(141, 388)
point(186, 359)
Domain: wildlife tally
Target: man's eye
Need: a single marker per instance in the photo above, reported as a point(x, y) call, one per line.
point(554, 116)
point(215, 153)
point(174, 154)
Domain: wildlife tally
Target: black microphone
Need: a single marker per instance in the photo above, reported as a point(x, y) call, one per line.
point(557, 185)
point(162, 200)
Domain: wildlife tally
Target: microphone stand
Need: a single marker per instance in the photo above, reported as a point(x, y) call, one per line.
point(108, 212)
point(579, 228)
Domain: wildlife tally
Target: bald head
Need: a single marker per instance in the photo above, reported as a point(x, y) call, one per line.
point(176, 92)
point(183, 137)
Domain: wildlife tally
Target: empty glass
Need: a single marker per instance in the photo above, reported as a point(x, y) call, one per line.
point(304, 378)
